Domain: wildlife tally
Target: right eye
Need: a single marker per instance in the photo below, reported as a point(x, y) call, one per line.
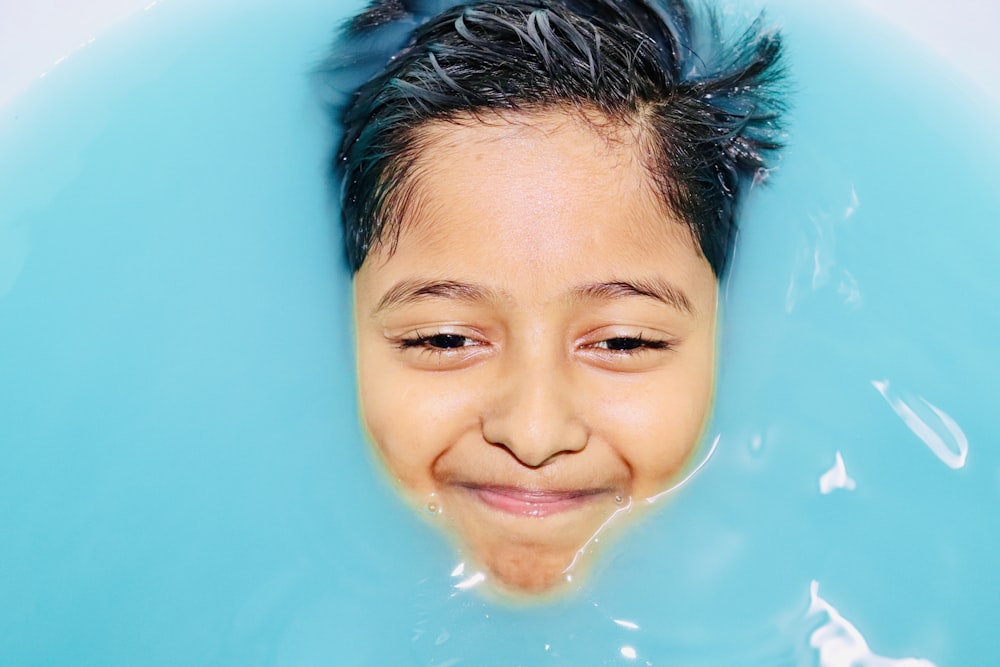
point(439, 341)
point(442, 350)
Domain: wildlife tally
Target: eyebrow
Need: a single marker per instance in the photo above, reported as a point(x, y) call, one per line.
point(411, 291)
point(654, 289)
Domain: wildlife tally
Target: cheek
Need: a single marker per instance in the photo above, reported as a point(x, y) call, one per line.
point(412, 418)
point(654, 425)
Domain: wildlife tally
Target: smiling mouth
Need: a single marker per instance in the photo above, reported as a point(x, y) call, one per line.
point(530, 502)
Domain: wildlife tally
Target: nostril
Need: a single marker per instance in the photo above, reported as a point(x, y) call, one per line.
point(534, 447)
point(526, 459)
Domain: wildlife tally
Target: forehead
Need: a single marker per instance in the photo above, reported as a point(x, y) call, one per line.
point(573, 145)
point(543, 166)
point(535, 204)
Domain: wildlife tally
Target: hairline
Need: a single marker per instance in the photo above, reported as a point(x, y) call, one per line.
point(630, 129)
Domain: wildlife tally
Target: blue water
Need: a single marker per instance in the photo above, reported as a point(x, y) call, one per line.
point(182, 477)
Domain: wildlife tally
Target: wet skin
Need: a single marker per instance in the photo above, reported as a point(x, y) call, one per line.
point(537, 350)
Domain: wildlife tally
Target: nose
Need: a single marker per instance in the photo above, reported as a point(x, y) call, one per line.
point(531, 414)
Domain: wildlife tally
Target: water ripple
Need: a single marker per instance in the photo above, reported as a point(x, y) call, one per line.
point(935, 427)
point(840, 644)
point(836, 478)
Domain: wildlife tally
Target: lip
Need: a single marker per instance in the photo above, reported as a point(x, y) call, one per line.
point(531, 502)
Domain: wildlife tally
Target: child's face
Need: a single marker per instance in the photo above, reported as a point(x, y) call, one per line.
point(538, 350)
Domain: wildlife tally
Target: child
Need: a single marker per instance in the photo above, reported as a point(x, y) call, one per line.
point(538, 199)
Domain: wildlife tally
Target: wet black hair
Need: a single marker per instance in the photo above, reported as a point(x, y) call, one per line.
point(709, 110)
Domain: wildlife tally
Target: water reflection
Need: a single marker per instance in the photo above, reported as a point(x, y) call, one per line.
point(840, 644)
point(932, 425)
point(836, 478)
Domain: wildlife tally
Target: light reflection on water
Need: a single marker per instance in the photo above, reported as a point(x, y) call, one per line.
point(839, 643)
point(933, 426)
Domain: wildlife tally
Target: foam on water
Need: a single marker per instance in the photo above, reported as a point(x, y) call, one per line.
point(183, 480)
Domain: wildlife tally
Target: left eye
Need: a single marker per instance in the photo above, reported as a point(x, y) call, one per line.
point(630, 343)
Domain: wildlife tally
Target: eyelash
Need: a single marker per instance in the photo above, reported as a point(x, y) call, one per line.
point(632, 345)
point(425, 342)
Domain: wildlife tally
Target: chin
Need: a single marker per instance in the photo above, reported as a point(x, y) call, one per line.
point(516, 571)
point(536, 565)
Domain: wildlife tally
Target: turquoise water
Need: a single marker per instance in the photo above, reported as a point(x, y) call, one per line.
point(183, 481)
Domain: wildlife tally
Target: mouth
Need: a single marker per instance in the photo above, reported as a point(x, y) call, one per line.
point(531, 502)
